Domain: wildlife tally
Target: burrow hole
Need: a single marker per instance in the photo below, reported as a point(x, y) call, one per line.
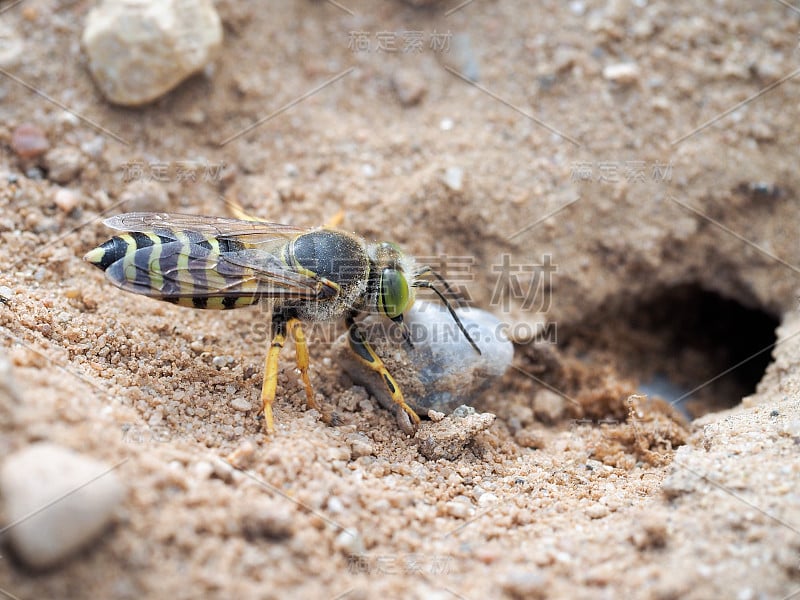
point(684, 344)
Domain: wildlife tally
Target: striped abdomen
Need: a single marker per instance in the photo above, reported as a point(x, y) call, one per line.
point(182, 267)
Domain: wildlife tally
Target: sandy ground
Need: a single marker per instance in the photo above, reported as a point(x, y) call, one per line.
point(670, 216)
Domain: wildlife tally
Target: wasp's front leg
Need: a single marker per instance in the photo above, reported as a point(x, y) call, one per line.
point(367, 356)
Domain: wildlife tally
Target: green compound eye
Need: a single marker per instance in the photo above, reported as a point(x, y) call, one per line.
point(394, 296)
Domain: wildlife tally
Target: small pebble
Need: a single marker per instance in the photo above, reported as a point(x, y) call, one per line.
point(63, 164)
point(339, 453)
point(241, 404)
point(597, 511)
point(410, 86)
point(448, 438)
point(242, 455)
point(29, 141)
point(454, 178)
point(548, 406)
point(486, 499)
point(140, 50)
point(577, 7)
point(144, 196)
point(435, 416)
point(66, 200)
point(459, 509)
point(94, 147)
point(527, 585)
point(350, 542)
point(360, 445)
point(46, 475)
point(335, 505)
point(219, 362)
point(623, 73)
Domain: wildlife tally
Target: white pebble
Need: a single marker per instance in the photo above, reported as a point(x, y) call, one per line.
point(350, 542)
point(454, 178)
point(221, 361)
point(335, 505)
point(459, 510)
point(94, 147)
point(597, 511)
point(486, 499)
point(63, 163)
point(66, 200)
point(241, 404)
point(140, 50)
point(624, 73)
point(73, 507)
point(577, 8)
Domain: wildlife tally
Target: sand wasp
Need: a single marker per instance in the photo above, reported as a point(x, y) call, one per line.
point(309, 275)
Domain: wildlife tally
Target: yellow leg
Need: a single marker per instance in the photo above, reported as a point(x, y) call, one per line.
point(236, 209)
point(365, 353)
point(301, 348)
point(270, 384)
point(238, 212)
point(336, 220)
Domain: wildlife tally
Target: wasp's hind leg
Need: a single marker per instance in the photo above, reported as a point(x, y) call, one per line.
point(270, 385)
point(301, 348)
point(366, 354)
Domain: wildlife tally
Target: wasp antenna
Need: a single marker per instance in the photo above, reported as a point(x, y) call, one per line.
point(447, 287)
point(422, 270)
point(451, 310)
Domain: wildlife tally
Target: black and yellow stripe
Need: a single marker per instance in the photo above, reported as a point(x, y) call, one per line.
point(177, 266)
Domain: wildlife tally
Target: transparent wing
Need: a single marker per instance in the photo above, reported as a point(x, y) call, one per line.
point(249, 232)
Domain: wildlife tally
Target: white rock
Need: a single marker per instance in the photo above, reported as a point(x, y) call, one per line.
point(459, 510)
point(486, 499)
point(141, 49)
point(624, 73)
point(66, 200)
point(63, 163)
point(548, 406)
point(454, 178)
point(350, 542)
point(241, 404)
point(451, 370)
point(53, 502)
point(446, 365)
